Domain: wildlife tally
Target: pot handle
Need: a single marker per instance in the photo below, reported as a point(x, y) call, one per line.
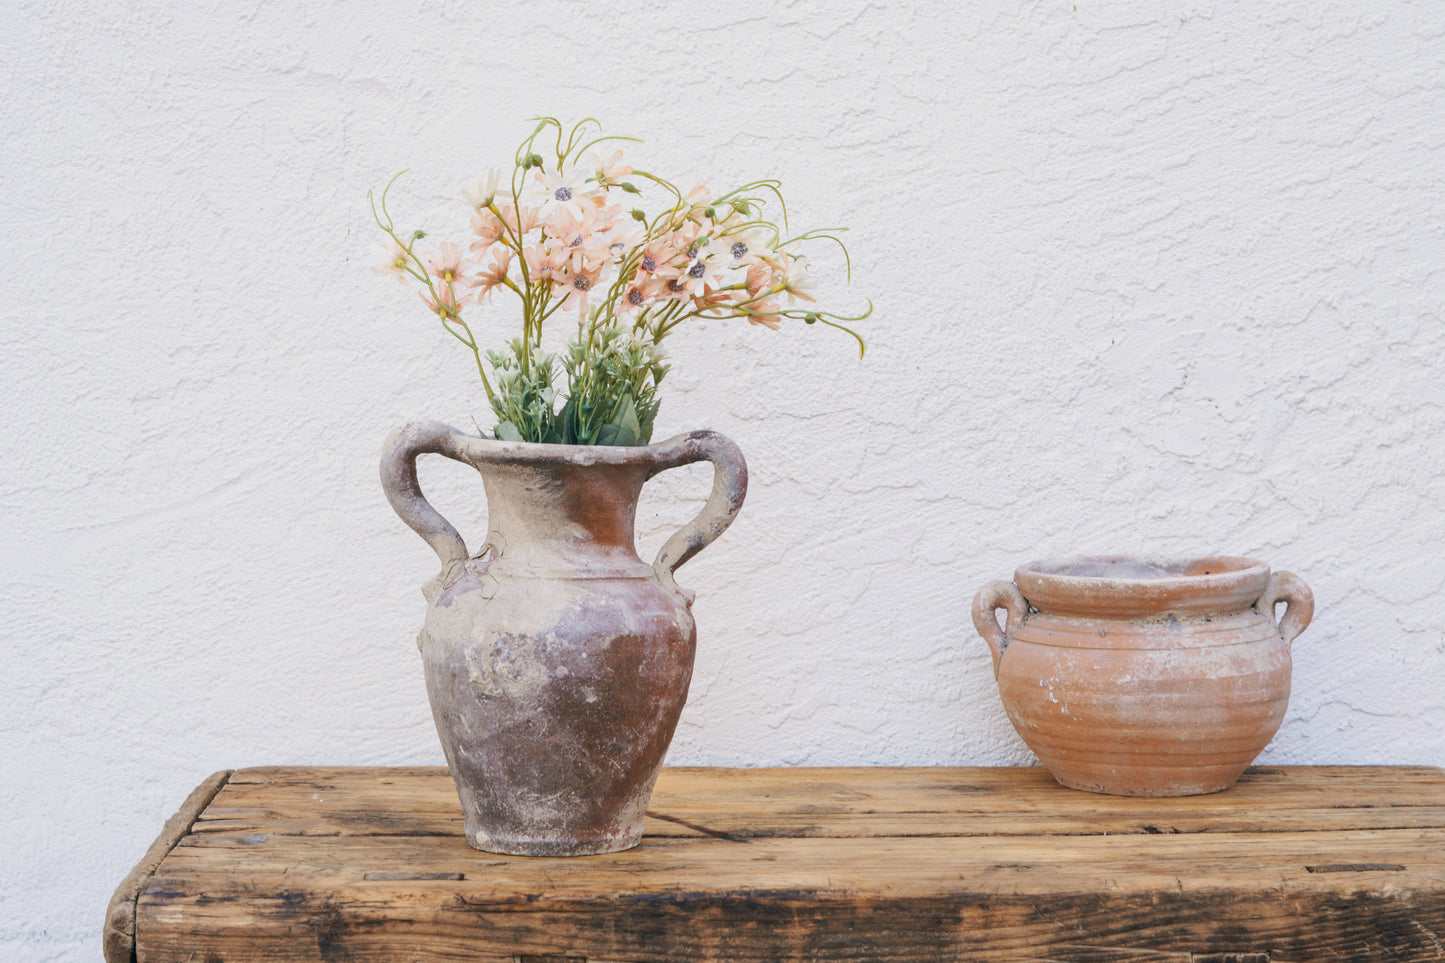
point(992, 597)
point(398, 480)
point(1299, 610)
point(729, 487)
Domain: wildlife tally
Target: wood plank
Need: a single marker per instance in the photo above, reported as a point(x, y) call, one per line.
point(871, 789)
point(428, 922)
point(851, 802)
point(1035, 864)
point(1295, 863)
point(743, 826)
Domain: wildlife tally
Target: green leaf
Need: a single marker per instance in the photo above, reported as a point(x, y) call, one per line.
point(627, 422)
point(506, 431)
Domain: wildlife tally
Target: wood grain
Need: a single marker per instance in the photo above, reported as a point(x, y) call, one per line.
point(1296, 863)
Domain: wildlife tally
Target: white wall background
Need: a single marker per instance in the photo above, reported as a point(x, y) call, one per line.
point(1153, 276)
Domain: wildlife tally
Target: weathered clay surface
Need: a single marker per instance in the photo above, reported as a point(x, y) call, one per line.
point(1144, 676)
point(557, 661)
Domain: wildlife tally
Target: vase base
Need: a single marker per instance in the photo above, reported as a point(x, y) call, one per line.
point(552, 846)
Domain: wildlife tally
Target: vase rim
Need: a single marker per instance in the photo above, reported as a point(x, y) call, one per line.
point(1143, 585)
point(497, 449)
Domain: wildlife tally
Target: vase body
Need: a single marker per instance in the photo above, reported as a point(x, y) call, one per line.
point(1145, 677)
point(557, 661)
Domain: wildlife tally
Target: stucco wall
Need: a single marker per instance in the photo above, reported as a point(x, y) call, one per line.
point(1149, 277)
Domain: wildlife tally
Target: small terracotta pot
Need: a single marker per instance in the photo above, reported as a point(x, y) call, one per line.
point(1144, 676)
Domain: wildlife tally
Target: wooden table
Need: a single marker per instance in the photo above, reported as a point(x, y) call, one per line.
point(347, 864)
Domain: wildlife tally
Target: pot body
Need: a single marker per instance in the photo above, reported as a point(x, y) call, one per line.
point(557, 661)
point(1145, 677)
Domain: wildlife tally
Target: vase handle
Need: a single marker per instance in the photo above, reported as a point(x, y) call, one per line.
point(729, 487)
point(992, 597)
point(1299, 610)
point(398, 480)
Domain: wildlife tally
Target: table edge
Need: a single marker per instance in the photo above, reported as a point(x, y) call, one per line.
point(119, 941)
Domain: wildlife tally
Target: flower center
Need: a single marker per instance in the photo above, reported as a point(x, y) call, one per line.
point(648, 263)
point(634, 297)
point(696, 271)
point(563, 194)
point(739, 250)
point(581, 282)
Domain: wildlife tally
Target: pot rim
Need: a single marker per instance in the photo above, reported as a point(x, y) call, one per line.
point(1147, 586)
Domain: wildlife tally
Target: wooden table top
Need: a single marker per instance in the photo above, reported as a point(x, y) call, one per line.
point(876, 864)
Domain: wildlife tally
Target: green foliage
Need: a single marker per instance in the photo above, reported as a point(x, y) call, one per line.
point(524, 397)
point(611, 392)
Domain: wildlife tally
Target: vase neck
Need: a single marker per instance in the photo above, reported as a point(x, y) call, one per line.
point(562, 518)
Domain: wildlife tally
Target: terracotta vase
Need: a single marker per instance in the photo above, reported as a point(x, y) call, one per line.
point(557, 661)
point(1144, 676)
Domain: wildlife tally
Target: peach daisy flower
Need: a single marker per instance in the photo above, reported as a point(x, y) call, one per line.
point(621, 234)
point(764, 313)
point(570, 228)
point(711, 299)
point(489, 277)
point(699, 197)
point(704, 271)
point(522, 220)
point(577, 285)
point(447, 303)
point(660, 258)
point(760, 277)
point(488, 228)
point(448, 264)
point(610, 170)
point(392, 259)
point(634, 300)
point(565, 189)
point(480, 192)
point(641, 293)
point(542, 261)
point(745, 247)
point(796, 280)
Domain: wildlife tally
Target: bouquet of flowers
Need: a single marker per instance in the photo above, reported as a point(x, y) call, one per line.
point(569, 233)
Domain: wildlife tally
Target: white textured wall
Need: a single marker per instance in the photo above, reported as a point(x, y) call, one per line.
point(1150, 276)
